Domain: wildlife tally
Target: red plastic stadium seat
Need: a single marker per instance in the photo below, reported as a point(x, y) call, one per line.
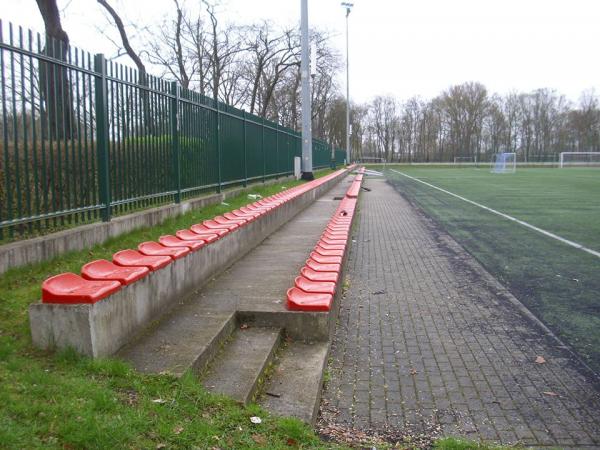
point(335, 236)
point(102, 269)
point(174, 241)
point(220, 226)
point(187, 235)
point(320, 267)
point(321, 287)
point(325, 259)
point(69, 288)
point(336, 241)
point(202, 230)
point(313, 275)
point(298, 300)
point(225, 221)
point(135, 258)
point(354, 190)
point(236, 215)
point(327, 246)
point(156, 249)
point(328, 252)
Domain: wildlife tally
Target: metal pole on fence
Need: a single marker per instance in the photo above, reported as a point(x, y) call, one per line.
point(101, 100)
point(218, 142)
point(348, 7)
point(245, 155)
point(175, 140)
point(262, 143)
point(307, 167)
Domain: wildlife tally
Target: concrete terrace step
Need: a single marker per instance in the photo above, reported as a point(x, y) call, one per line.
point(187, 339)
point(297, 381)
point(236, 371)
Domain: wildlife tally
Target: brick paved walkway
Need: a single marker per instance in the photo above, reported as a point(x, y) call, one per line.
point(428, 342)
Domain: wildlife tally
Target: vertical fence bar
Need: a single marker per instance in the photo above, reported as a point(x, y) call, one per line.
point(218, 142)
point(175, 139)
point(102, 134)
point(245, 151)
point(262, 129)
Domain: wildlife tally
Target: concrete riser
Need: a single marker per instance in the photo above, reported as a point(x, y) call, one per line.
point(43, 248)
point(103, 328)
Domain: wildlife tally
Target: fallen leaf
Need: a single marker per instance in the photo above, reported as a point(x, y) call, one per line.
point(159, 446)
point(292, 442)
point(259, 439)
point(177, 430)
point(550, 393)
point(159, 400)
point(540, 360)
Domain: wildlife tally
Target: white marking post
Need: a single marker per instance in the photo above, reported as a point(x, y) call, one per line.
point(506, 216)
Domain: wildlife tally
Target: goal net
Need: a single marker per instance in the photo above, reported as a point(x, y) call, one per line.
point(579, 159)
point(504, 163)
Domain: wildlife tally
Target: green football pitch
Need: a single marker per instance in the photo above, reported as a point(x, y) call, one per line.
point(556, 281)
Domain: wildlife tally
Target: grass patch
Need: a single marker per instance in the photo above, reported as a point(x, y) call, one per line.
point(462, 444)
point(63, 400)
point(560, 284)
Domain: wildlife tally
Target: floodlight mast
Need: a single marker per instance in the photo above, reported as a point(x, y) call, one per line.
point(348, 7)
point(307, 167)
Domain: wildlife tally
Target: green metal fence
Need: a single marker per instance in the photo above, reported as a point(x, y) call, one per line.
point(83, 138)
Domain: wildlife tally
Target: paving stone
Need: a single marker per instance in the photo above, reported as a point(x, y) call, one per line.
point(445, 342)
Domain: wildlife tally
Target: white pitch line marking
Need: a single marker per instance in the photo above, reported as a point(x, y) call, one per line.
point(506, 216)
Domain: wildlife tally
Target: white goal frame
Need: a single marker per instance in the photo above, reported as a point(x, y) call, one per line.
point(508, 167)
point(582, 164)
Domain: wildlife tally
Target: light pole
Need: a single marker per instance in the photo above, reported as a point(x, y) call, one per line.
point(348, 7)
point(307, 168)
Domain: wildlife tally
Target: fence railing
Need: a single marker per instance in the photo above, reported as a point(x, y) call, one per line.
point(83, 138)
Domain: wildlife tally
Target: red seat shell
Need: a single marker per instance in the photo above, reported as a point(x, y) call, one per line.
point(174, 241)
point(313, 275)
point(156, 249)
point(101, 269)
point(187, 235)
point(322, 287)
point(298, 300)
point(135, 258)
point(203, 230)
point(69, 288)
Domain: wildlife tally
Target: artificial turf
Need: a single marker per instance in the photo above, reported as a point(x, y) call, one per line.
point(559, 283)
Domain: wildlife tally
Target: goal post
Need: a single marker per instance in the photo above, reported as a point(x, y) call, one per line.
point(579, 159)
point(504, 163)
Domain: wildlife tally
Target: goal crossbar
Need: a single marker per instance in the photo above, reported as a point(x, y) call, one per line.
point(588, 158)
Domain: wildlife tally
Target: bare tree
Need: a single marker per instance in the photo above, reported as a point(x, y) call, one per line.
point(55, 87)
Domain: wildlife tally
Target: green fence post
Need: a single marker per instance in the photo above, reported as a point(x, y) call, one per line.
point(101, 89)
point(175, 139)
point(218, 142)
point(263, 150)
point(277, 150)
point(245, 156)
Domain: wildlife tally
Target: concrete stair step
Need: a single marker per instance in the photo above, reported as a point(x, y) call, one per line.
point(237, 370)
point(187, 339)
point(295, 386)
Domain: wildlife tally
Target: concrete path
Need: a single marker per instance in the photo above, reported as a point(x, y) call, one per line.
point(429, 344)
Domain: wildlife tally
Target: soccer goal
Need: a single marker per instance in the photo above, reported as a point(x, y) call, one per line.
point(579, 159)
point(504, 163)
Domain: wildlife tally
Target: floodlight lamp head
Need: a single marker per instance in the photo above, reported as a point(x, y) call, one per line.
point(348, 7)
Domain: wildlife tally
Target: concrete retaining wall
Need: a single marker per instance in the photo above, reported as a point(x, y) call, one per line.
point(44, 248)
point(102, 328)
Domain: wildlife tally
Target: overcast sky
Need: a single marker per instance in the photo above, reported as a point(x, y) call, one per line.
point(401, 47)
